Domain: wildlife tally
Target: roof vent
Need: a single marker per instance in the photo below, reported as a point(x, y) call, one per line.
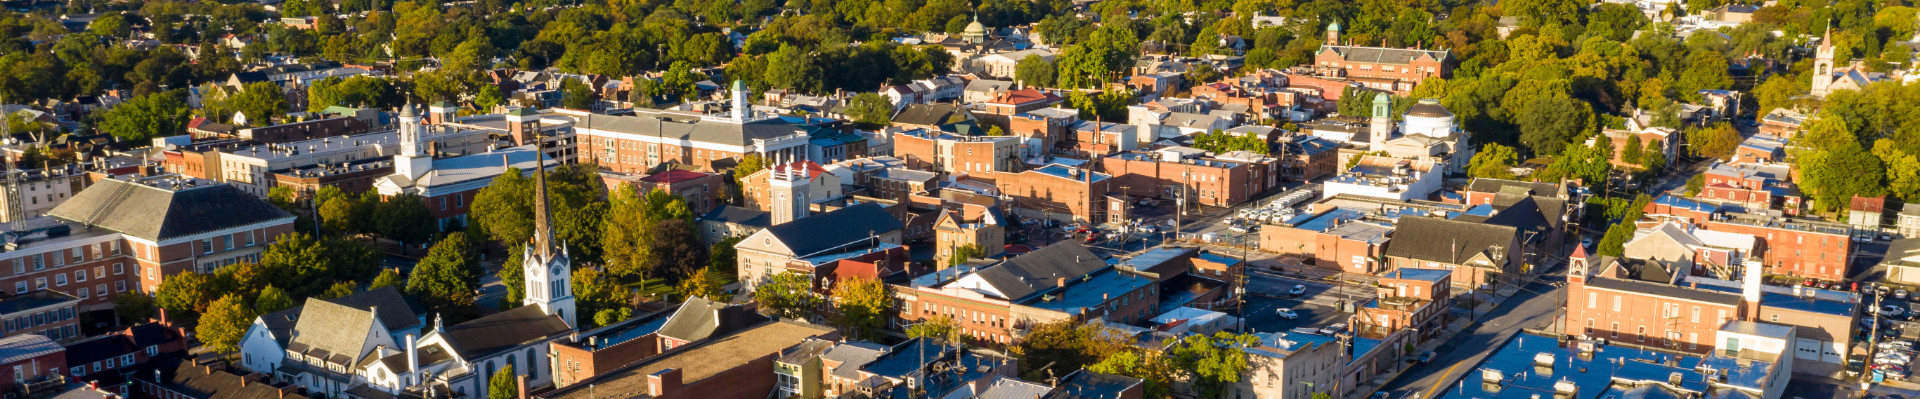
point(1490, 376)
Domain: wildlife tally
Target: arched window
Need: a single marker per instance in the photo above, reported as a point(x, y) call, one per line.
point(533, 365)
point(513, 364)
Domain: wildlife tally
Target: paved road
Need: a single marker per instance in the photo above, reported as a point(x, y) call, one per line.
point(1535, 306)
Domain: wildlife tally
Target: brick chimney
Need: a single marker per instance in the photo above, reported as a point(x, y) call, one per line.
point(521, 381)
point(663, 382)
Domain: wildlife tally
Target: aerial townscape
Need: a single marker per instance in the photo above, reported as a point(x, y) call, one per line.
point(959, 199)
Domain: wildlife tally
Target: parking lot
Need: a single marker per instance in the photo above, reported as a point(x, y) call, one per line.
point(1317, 307)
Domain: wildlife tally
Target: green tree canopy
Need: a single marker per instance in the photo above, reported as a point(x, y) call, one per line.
point(405, 218)
point(504, 384)
point(870, 110)
point(225, 323)
point(447, 276)
point(1494, 161)
point(272, 299)
point(148, 116)
point(788, 295)
point(863, 306)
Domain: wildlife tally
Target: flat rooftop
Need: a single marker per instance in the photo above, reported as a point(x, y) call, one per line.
point(1096, 289)
point(1522, 377)
point(706, 360)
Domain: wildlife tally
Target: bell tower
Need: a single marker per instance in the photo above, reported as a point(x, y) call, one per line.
point(547, 268)
point(1382, 124)
point(1823, 66)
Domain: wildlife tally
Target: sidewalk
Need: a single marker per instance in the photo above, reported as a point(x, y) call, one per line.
point(1458, 324)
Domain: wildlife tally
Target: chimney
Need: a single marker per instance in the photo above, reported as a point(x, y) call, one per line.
point(1062, 281)
point(663, 382)
point(413, 360)
point(521, 381)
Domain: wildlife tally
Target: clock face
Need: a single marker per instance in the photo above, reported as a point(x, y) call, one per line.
point(557, 270)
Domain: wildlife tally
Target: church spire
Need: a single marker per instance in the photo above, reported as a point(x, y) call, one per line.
point(542, 215)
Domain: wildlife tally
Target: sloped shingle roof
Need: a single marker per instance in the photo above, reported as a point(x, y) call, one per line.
point(156, 214)
point(485, 336)
point(813, 234)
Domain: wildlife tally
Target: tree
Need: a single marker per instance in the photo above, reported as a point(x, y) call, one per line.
point(405, 218)
point(626, 233)
point(133, 307)
point(447, 276)
point(1067, 346)
point(676, 246)
point(1148, 365)
point(610, 316)
point(702, 283)
point(347, 214)
point(1547, 123)
point(964, 253)
point(1216, 361)
point(187, 293)
point(593, 292)
point(1695, 183)
point(305, 265)
point(272, 299)
point(1653, 158)
point(144, 117)
point(513, 278)
point(787, 294)
point(391, 277)
point(261, 102)
point(870, 110)
point(577, 95)
point(1614, 243)
point(1034, 71)
point(862, 305)
point(722, 255)
point(504, 384)
point(1632, 153)
point(749, 164)
point(338, 289)
point(1494, 161)
point(792, 68)
point(1717, 141)
point(225, 323)
point(941, 327)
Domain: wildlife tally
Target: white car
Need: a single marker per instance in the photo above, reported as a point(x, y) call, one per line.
point(1285, 313)
point(1336, 328)
point(1891, 311)
point(1297, 290)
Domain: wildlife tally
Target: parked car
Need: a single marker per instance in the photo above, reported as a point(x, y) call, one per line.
point(1901, 293)
point(1426, 357)
point(1285, 313)
point(1297, 290)
point(1892, 311)
point(1336, 328)
point(1147, 229)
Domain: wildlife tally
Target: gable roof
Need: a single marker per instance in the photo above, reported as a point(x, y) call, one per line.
point(396, 312)
point(485, 336)
point(700, 318)
point(812, 235)
point(280, 324)
point(1041, 270)
point(705, 131)
point(737, 215)
point(1445, 241)
point(933, 114)
point(154, 213)
point(331, 331)
point(208, 381)
point(1486, 185)
point(1381, 55)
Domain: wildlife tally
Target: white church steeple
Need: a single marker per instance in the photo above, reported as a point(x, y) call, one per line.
point(547, 269)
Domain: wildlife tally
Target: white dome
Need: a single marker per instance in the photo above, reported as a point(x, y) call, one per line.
point(1429, 118)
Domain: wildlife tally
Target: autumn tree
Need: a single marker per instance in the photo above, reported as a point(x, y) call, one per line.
point(870, 110)
point(391, 277)
point(1494, 161)
point(862, 306)
point(133, 307)
point(225, 322)
point(503, 384)
point(1215, 362)
point(787, 294)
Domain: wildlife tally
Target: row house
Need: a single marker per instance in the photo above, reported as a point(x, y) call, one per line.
point(735, 364)
point(1094, 139)
point(41, 312)
point(31, 361)
point(1306, 158)
point(1044, 130)
point(114, 354)
point(1641, 301)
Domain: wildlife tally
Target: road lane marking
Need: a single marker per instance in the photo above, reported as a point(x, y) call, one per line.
point(1443, 378)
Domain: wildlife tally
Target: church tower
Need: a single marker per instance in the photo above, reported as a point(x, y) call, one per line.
point(1823, 65)
point(1382, 123)
point(413, 159)
point(788, 184)
point(1333, 34)
point(546, 267)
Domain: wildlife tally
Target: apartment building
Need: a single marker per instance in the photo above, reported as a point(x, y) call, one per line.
point(637, 143)
point(129, 234)
point(1058, 192)
point(953, 154)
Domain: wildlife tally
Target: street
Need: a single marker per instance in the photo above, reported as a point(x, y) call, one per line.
point(1534, 306)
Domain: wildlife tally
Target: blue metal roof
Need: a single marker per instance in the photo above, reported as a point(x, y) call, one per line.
point(1805, 304)
point(1060, 171)
point(1522, 378)
point(1081, 294)
point(1432, 275)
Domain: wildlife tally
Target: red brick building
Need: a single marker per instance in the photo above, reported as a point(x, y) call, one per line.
point(703, 191)
point(30, 358)
point(997, 302)
point(1211, 182)
point(735, 365)
point(1790, 246)
point(1406, 298)
point(1640, 302)
point(1333, 240)
point(1381, 68)
point(1058, 192)
point(107, 355)
point(956, 154)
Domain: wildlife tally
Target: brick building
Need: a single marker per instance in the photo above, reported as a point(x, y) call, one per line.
point(1307, 158)
point(1641, 302)
point(1797, 247)
point(29, 360)
point(1338, 239)
point(106, 356)
point(1058, 192)
point(449, 185)
point(1380, 68)
point(300, 131)
point(946, 153)
point(996, 302)
point(1479, 254)
point(119, 235)
point(703, 191)
point(635, 143)
point(1048, 126)
point(1406, 298)
point(351, 178)
point(734, 365)
point(1206, 181)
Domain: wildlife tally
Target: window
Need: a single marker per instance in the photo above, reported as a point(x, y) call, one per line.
point(228, 240)
point(118, 268)
point(206, 245)
point(19, 267)
point(109, 363)
point(1593, 300)
point(58, 260)
point(79, 255)
point(1615, 333)
point(79, 371)
point(119, 286)
point(60, 280)
point(83, 294)
point(19, 287)
point(1616, 303)
point(80, 276)
point(153, 350)
point(1696, 314)
point(39, 263)
point(1641, 335)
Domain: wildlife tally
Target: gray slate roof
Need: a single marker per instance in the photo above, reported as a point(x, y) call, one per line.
point(813, 234)
point(331, 331)
point(932, 114)
point(852, 356)
point(1486, 185)
point(698, 131)
point(1445, 241)
point(396, 312)
point(485, 336)
point(737, 215)
point(281, 323)
point(700, 318)
point(1041, 270)
point(156, 214)
point(1379, 55)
